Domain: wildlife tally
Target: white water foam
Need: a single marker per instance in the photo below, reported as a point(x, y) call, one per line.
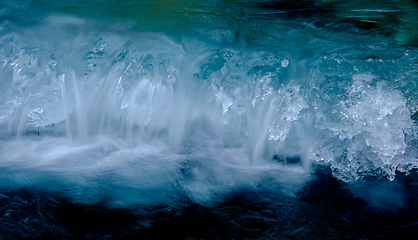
point(105, 113)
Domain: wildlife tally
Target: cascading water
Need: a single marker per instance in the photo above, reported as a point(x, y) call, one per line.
point(198, 103)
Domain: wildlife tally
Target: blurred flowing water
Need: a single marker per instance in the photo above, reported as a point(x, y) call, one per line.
point(225, 119)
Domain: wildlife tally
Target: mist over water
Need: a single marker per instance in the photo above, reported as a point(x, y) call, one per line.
point(148, 104)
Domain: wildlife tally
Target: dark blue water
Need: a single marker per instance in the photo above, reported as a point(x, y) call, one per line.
point(324, 209)
point(208, 120)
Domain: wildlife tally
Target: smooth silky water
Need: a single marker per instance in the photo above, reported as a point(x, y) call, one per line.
point(226, 119)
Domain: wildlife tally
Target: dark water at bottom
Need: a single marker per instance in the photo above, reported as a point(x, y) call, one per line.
point(325, 208)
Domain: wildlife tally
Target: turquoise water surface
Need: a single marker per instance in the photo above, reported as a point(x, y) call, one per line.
point(225, 119)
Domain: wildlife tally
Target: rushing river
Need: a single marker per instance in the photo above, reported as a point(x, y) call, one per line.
point(225, 119)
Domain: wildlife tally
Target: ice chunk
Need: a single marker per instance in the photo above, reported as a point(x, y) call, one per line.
point(286, 108)
point(372, 127)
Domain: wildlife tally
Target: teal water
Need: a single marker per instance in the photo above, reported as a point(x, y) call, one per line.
point(148, 110)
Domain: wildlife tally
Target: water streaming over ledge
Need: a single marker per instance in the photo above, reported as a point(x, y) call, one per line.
point(151, 103)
